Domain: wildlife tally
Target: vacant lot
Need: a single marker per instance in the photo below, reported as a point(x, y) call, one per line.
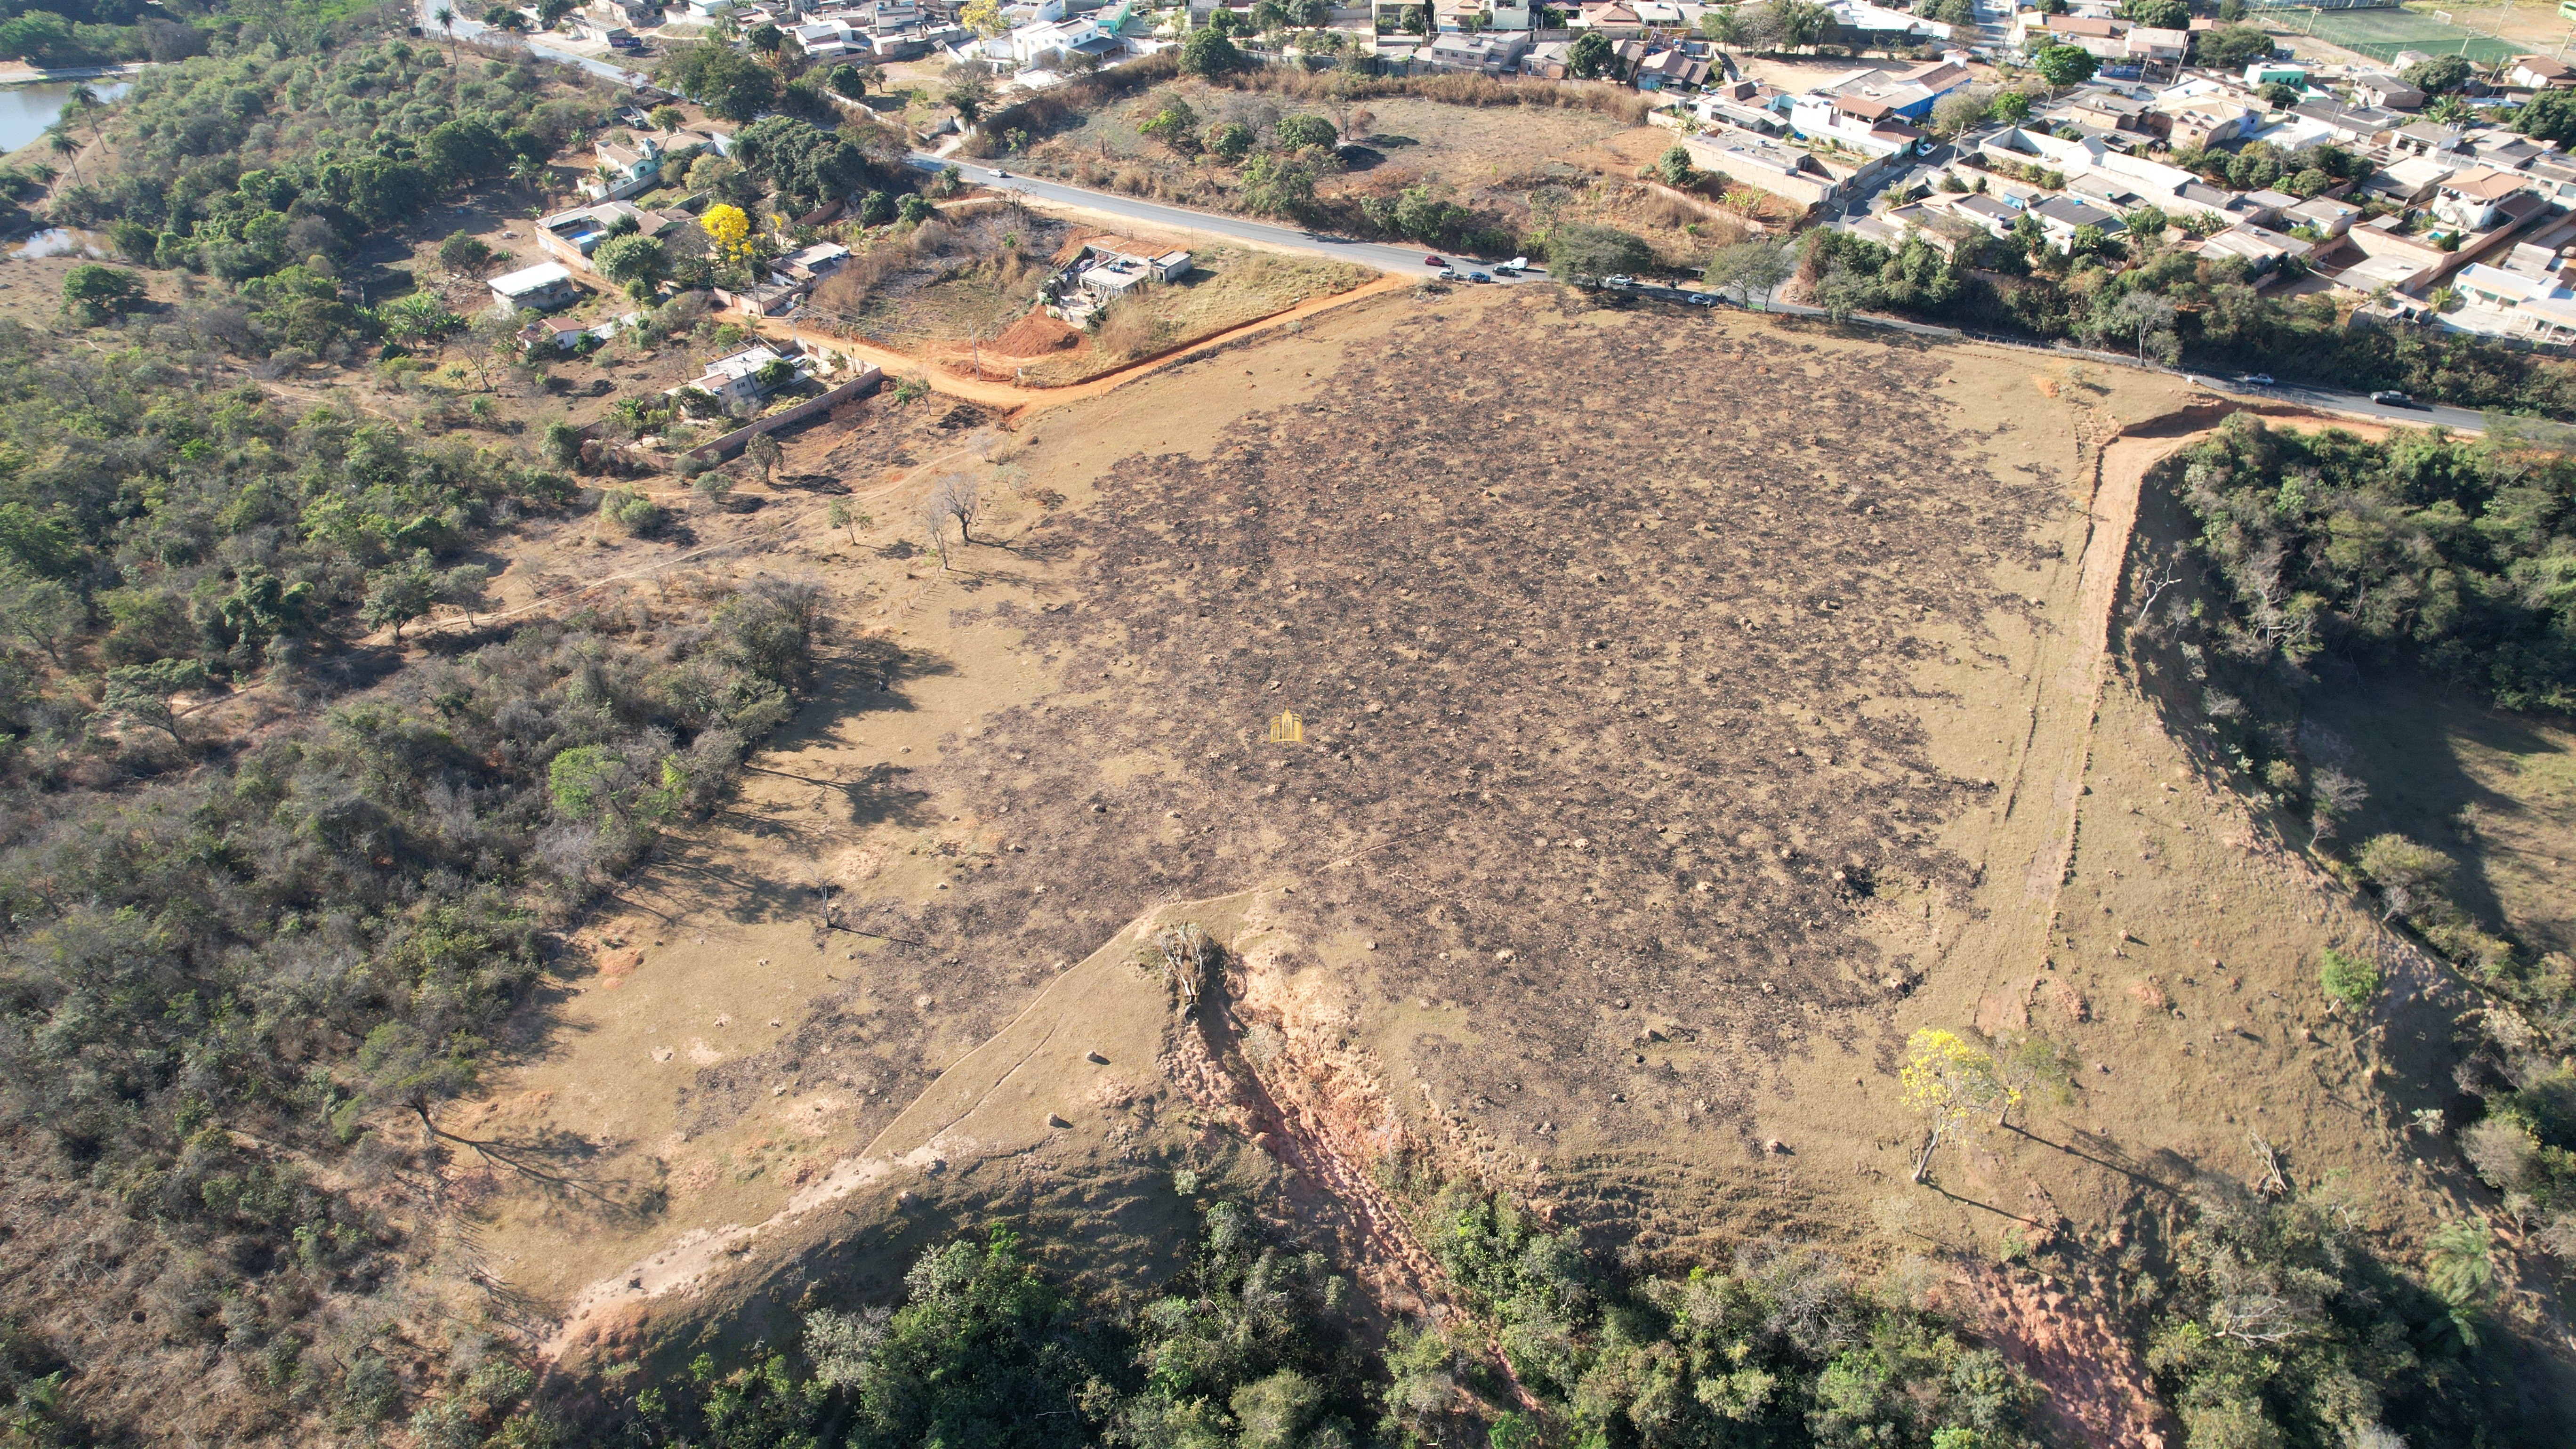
point(1691, 708)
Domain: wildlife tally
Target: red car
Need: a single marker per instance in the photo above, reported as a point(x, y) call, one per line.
point(1433, 262)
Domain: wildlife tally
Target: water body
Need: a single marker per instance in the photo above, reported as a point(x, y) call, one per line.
point(25, 111)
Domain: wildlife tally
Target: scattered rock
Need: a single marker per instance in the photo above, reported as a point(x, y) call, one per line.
point(1095, 1058)
point(1055, 1121)
point(1777, 1148)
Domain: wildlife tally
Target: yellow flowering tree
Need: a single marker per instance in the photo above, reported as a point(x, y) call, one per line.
point(984, 17)
point(1952, 1082)
point(729, 228)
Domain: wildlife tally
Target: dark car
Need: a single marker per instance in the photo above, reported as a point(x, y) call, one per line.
point(2394, 400)
point(1433, 262)
point(1507, 270)
point(1478, 277)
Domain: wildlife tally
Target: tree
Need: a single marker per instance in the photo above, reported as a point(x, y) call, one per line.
point(847, 80)
point(913, 208)
point(960, 497)
point(876, 208)
point(1591, 57)
point(1755, 269)
point(2143, 314)
point(1231, 141)
point(667, 119)
point(1581, 251)
point(764, 453)
point(465, 256)
point(1959, 110)
point(1675, 166)
point(2230, 47)
point(630, 259)
point(40, 611)
point(2440, 75)
point(1279, 185)
point(93, 294)
point(1175, 125)
point(2010, 107)
point(730, 84)
point(1725, 25)
point(984, 17)
point(2063, 65)
point(1210, 52)
point(2408, 875)
point(1798, 24)
point(729, 228)
point(713, 488)
point(2332, 797)
point(839, 514)
point(142, 692)
point(1842, 291)
point(562, 444)
point(462, 587)
point(400, 593)
point(2548, 116)
point(1952, 1084)
point(1304, 131)
point(2160, 14)
point(446, 19)
point(968, 91)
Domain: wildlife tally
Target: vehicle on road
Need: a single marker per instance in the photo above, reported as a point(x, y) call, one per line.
point(1001, 175)
point(1704, 299)
point(1433, 262)
point(1478, 277)
point(1619, 283)
point(1448, 274)
point(2394, 400)
point(2255, 379)
point(1506, 269)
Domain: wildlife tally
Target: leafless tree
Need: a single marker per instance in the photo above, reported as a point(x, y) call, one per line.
point(958, 496)
point(935, 518)
point(2332, 796)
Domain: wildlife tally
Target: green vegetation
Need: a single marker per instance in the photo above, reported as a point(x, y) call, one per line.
point(1581, 251)
point(2218, 320)
point(2328, 551)
point(2348, 979)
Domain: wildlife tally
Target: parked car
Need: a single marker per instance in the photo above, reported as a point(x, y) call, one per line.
point(1704, 299)
point(1478, 277)
point(2394, 400)
point(2255, 379)
point(1449, 274)
point(1621, 282)
point(1433, 262)
point(1506, 269)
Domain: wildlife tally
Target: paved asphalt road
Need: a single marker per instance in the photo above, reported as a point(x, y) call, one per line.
point(1407, 261)
point(465, 29)
point(1400, 260)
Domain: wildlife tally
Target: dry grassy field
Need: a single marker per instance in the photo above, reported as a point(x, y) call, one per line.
point(1691, 707)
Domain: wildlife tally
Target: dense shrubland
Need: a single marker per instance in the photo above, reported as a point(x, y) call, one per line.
point(2329, 555)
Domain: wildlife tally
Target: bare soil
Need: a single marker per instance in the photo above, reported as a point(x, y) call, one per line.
point(1691, 707)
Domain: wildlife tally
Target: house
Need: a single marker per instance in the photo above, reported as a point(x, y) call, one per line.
point(2554, 176)
point(2266, 206)
point(1612, 18)
point(562, 334)
point(1859, 122)
point(740, 381)
point(2539, 308)
point(1995, 218)
point(624, 168)
point(2201, 123)
point(2326, 217)
point(2059, 218)
point(2385, 91)
point(1895, 94)
point(1486, 52)
point(2408, 180)
point(2261, 73)
point(2538, 73)
point(2109, 111)
point(1670, 70)
point(1098, 270)
point(2156, 44)
point(2476, 199)
point(2430, 138)
point(1766, 165)
point(814, 263)
point(541, 288)
point(1029, 44)
point(2348, 125)
point(571, 236)
point(2097, 36)
point(2260, 248)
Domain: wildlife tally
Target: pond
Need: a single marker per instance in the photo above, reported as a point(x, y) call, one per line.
point(25, 111)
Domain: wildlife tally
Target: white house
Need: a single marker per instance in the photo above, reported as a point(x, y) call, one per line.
point(2539, 308)
point(735, 381)
point(2475, 199)
point(540, 288)
point(2538, 73)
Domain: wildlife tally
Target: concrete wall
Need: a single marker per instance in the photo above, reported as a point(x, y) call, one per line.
point(732, 443)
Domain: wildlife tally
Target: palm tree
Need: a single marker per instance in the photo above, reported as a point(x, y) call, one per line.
point(446, 19)
point(64, 146)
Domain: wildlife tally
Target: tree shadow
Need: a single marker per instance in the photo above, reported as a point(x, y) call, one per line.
point(565, 1167)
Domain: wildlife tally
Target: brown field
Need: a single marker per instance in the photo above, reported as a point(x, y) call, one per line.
point(1692, 707)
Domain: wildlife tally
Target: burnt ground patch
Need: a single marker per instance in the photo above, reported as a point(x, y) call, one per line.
point(1605, 640)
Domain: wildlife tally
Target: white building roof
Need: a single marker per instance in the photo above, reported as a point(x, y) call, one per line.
point(531, 279)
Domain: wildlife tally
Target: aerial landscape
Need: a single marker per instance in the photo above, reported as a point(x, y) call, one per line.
point(783, 723)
